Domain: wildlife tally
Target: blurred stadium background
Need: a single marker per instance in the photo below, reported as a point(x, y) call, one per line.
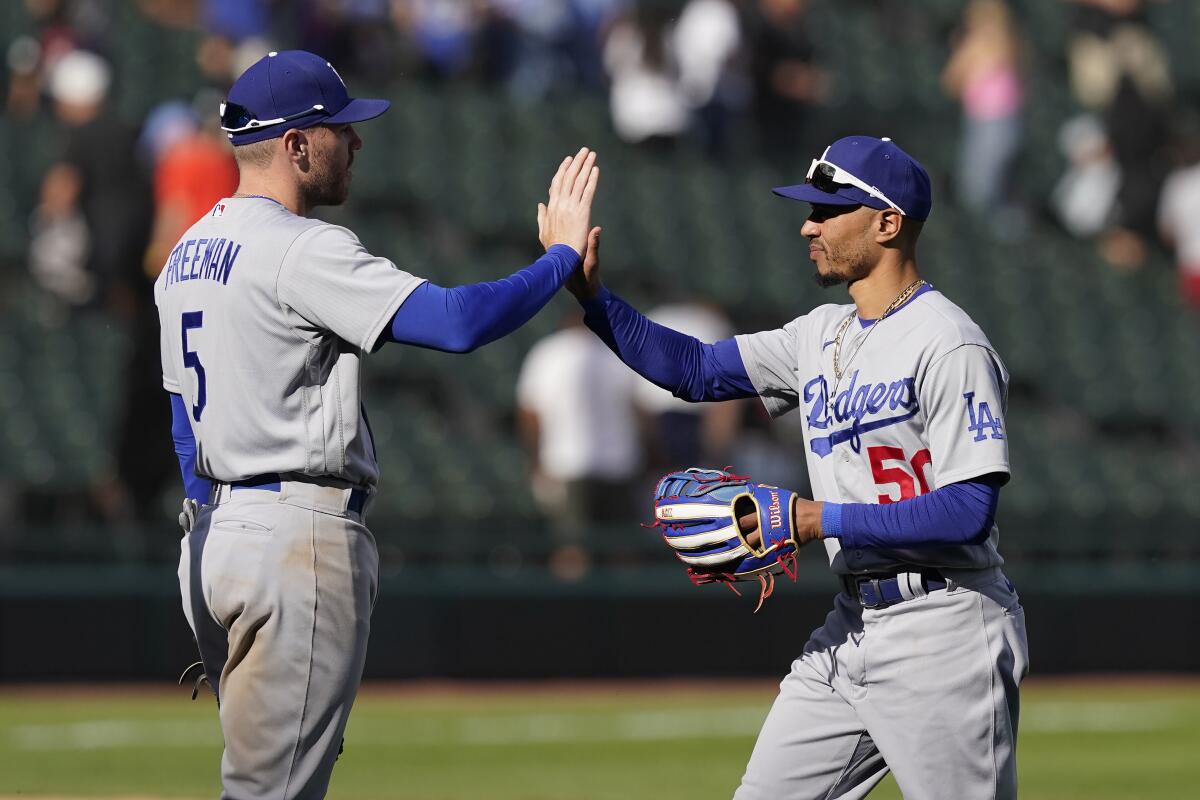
point(1094, 313)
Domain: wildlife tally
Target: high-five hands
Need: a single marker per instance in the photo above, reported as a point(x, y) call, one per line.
point(566, 217)
point(584, 282)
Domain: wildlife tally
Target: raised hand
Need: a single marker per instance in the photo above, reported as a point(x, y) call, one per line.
point(566, 217)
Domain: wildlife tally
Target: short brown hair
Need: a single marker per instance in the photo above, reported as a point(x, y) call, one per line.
point(255, 154)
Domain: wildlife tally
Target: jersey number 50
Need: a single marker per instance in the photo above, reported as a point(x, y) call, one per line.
point(898, 475)
point(191, 360)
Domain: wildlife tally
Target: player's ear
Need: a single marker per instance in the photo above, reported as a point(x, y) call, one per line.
point(888, 225)
point(296, 147)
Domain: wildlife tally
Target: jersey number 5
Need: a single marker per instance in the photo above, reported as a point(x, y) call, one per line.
point(898, 475)
point(191, 360)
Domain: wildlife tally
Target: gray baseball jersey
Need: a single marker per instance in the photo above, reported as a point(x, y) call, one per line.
point(265, 319)
point(920, 405)
point(926, 688)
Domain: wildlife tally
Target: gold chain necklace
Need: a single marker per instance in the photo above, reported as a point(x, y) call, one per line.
point(838, 369)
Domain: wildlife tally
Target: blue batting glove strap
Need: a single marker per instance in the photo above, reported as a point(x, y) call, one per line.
point(831, 520)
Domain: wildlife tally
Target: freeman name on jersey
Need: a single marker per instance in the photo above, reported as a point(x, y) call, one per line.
point(202, 259)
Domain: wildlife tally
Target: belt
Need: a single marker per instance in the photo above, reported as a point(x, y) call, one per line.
point(880, 590)
point(274, 483)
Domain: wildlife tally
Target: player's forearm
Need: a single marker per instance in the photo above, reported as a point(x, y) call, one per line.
point(461, 319)
point(195, 487)
point(960, 513)
point(683, 365)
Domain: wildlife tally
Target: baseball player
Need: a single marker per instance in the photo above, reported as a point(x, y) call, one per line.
point(266, 316)
point(916, 669)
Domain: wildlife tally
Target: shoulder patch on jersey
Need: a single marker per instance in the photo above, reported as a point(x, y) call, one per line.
point(982, 419)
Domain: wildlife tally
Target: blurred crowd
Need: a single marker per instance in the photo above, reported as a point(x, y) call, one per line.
point(706, 75)
point(696, 71)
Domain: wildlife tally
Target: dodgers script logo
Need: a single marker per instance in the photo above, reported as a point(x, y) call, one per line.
point(863, 406)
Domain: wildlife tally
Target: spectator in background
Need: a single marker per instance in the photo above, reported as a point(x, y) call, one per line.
point(983, 74)
point(577, 421)
point(66, 25)
point(193, 169)
point(220, 59)
point(357, 35)
point(542, 33)
point(1111, 40)
point(1178, 210)
point(1119, 70)
point(23, 60)
point(235, 19)
point(442, 32)
point(788, 84)
point(647, 104)
point(680, 434)
point(1137, 126)
point(1084, 199)
point(592, 21)
point(708, 43)
point(60, 27)
point(97, 180)
point(100, 181)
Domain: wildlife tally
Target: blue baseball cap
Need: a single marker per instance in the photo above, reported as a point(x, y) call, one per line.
point(863, 170)
point(290, 89)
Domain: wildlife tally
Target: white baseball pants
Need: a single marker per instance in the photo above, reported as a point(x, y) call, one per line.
point(926, 688)
point(278, 588)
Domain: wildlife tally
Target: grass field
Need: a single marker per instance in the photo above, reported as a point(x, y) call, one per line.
point(1094, 740)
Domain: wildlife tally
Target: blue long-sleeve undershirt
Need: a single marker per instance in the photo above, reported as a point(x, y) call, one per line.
point(461, 319)
point(960, 513)
point(955, 514)
point(194, 486)
point(683, 365)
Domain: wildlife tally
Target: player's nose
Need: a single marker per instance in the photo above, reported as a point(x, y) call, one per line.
point(810, 229)
point(355, 142)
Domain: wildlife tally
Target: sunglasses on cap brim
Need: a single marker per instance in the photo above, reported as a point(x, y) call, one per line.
point(238, 119)
point(829, 177)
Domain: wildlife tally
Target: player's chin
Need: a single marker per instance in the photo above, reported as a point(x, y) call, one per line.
point(340, 194)
point(827, 280)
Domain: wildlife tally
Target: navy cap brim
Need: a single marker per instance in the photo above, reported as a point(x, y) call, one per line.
point(808, 193)
point(358, 110)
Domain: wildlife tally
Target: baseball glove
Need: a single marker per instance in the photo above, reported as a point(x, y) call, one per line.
point(697, 512)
